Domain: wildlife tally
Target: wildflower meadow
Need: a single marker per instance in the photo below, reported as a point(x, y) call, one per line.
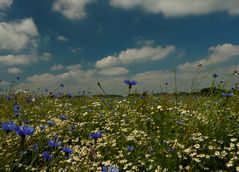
point(137, 132)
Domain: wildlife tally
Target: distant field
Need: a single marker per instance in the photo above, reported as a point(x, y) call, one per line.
point(135, 133)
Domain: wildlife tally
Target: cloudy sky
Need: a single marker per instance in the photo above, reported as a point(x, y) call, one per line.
point(80, 42)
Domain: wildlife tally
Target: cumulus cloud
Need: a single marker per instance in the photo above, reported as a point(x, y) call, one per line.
point(56, 67)
point(17, 59)
point(18, 35)
point(14, 70)
point(5, 4)
point(219, 54)
point(72, 9)
point(115, 71)
point(175, 8)
point(48, 77)
point(75, 67)
point(23, 59)
point(129, 56)
point(107, 62)
point(61, 38)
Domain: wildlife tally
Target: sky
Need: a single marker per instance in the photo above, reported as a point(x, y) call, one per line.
point(82, 42)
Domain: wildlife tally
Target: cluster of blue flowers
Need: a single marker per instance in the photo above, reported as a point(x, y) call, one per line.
point(110, 168)
point(22, 131)
point(95, 135)
point(47, 156)
point(227, 94)
point(130, 148)
point(54, 143)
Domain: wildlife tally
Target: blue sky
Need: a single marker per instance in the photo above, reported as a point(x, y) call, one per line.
point(80, 42)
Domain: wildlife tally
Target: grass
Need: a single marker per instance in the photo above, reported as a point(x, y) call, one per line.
point(150, 133)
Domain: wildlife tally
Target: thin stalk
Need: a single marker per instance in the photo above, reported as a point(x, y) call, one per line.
point(176, 90)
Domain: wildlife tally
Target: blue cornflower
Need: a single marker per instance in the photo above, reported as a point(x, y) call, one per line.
point(54, 143)
point(17, 114)
point(104, 168)
point(62, 85)
point(8, 126)
point(47, 156)
point(214, 75)
point(24, 130)
point(130, 83)
point(63, 117)
point(35, 147)
point(130, 148)
point(67, 150)
point(95, 135)
point(8, 98)
point(51, 123)
point(227, 94)
point(113, 168)
point(16, 108)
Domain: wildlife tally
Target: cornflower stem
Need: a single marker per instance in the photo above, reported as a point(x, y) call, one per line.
point(99, 85)
point(21, 146)
point(129, 89)
point(51, 93)
point(129, 92)
point(176, 90)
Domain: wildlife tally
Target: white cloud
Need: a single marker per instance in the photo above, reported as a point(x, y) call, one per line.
point(115, 71)
point(46, 56)
point(18, 35)
point(72, 9)
point(56, 67)
point(75, 67)
point(129, 56)
point(47, 77)
point(75, 50)
point(73, 78)
point(14, 70)
point(219, 54)
point(5, 4)
point(175, 8)
point(62, 39)
point(107, 62)
point(17, 59)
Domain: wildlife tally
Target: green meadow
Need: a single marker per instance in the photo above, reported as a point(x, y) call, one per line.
point(133, 133)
